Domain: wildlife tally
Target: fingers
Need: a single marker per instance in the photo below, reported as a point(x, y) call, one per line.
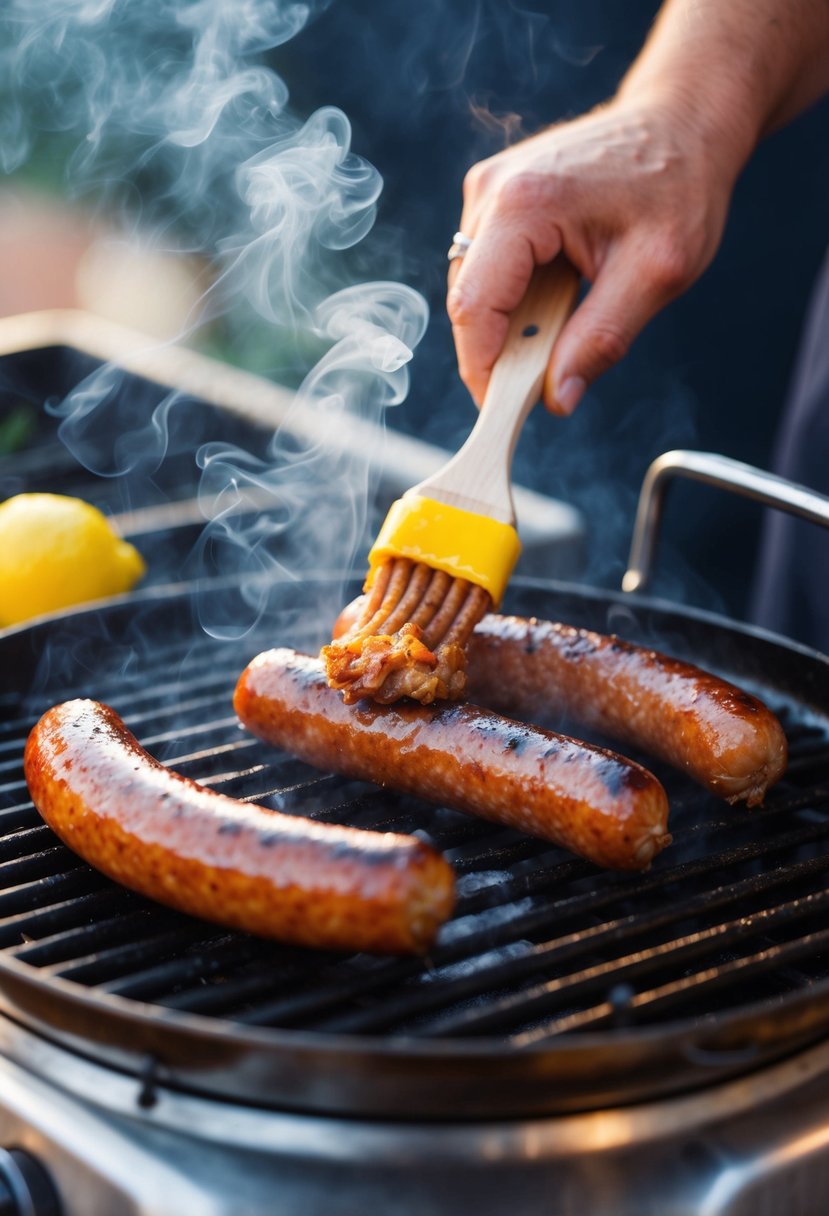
point(619, 191)
point(489, 283)
point(617, 307)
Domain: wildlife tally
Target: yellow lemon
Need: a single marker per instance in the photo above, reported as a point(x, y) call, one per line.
point(57, 551)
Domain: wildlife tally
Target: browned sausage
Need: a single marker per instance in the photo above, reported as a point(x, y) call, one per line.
point(600, 805)
point(721, 736)
point(208, 855)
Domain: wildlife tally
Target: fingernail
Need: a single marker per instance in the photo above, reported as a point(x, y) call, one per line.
point(569, 394)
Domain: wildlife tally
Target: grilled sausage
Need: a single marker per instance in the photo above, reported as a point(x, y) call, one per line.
point(724, 738)
point(208, 855)
point(595, 803)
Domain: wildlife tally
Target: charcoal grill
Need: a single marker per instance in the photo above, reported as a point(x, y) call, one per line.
point(576, 1040)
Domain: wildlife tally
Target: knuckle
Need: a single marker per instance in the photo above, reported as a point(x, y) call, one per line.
point(460, 303)
point(476, 179)
point(610, 344)
point(670, 265)
point(521, 192)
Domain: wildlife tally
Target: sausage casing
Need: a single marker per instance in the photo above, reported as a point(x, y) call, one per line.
point(724, 738)
point(597, 804)
point(211, 856)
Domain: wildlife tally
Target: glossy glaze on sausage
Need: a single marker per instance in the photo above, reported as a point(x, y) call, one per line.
point(722, 737)
point(589, 800)
point(211, 856)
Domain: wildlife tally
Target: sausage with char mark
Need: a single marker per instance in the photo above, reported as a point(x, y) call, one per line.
point(598, 804)
point(208, 855)
point(723, 737)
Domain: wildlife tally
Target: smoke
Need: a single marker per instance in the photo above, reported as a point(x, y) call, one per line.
point(166, 115)
point(316, 489)
point(110, 433)
point(169, 115)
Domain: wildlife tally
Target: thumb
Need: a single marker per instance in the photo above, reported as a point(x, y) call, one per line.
point(601, 330)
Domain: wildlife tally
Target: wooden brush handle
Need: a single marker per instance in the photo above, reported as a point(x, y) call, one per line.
point(478, 477)
point(516, 379)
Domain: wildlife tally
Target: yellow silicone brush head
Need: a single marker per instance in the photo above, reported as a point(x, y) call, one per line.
point(461, 543)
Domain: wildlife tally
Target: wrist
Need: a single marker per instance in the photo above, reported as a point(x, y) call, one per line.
point(729, 71)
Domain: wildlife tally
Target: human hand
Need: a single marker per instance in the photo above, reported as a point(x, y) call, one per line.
point(632, 195)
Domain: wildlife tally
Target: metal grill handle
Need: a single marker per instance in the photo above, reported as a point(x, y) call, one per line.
point(714, 470)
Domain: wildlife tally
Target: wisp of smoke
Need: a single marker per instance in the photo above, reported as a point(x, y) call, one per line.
point(172, 118)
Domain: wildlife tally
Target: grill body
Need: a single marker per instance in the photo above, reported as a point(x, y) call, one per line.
point(554, 988)
point(729, 1151)
point(157, 1065)
point(578, 1041)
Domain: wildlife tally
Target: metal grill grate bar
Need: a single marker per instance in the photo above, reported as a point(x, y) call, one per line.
point(46, 862)
point(763, 962)
point(62, 915)
point(679, 952)
point(500, 972)
point(396, 1007)
point(73, 943)
point(26, 841)
point(23, 815)
point(538, 936)
point(158, 942)
point(25, 896)
point(222, 953)
point(151, 684)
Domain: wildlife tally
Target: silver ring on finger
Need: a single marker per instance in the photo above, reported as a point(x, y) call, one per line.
point(459, 246)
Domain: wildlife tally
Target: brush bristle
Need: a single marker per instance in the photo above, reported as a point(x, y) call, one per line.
point(409, 637)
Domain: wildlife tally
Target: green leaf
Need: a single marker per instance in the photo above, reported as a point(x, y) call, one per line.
point(16, 429)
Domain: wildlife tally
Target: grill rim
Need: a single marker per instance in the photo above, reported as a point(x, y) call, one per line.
point(382, 1074)
point(322, 1073)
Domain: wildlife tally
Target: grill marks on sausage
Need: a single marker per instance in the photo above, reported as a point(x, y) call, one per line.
point(208, 855)
point(587, 799)
point(717, 733)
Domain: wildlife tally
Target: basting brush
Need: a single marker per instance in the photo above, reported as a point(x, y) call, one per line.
point(447, 548)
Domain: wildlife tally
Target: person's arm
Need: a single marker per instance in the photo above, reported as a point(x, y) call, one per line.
point(635, 192)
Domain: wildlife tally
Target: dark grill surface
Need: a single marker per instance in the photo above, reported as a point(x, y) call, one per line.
point(554, 987)
point(542, 945)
